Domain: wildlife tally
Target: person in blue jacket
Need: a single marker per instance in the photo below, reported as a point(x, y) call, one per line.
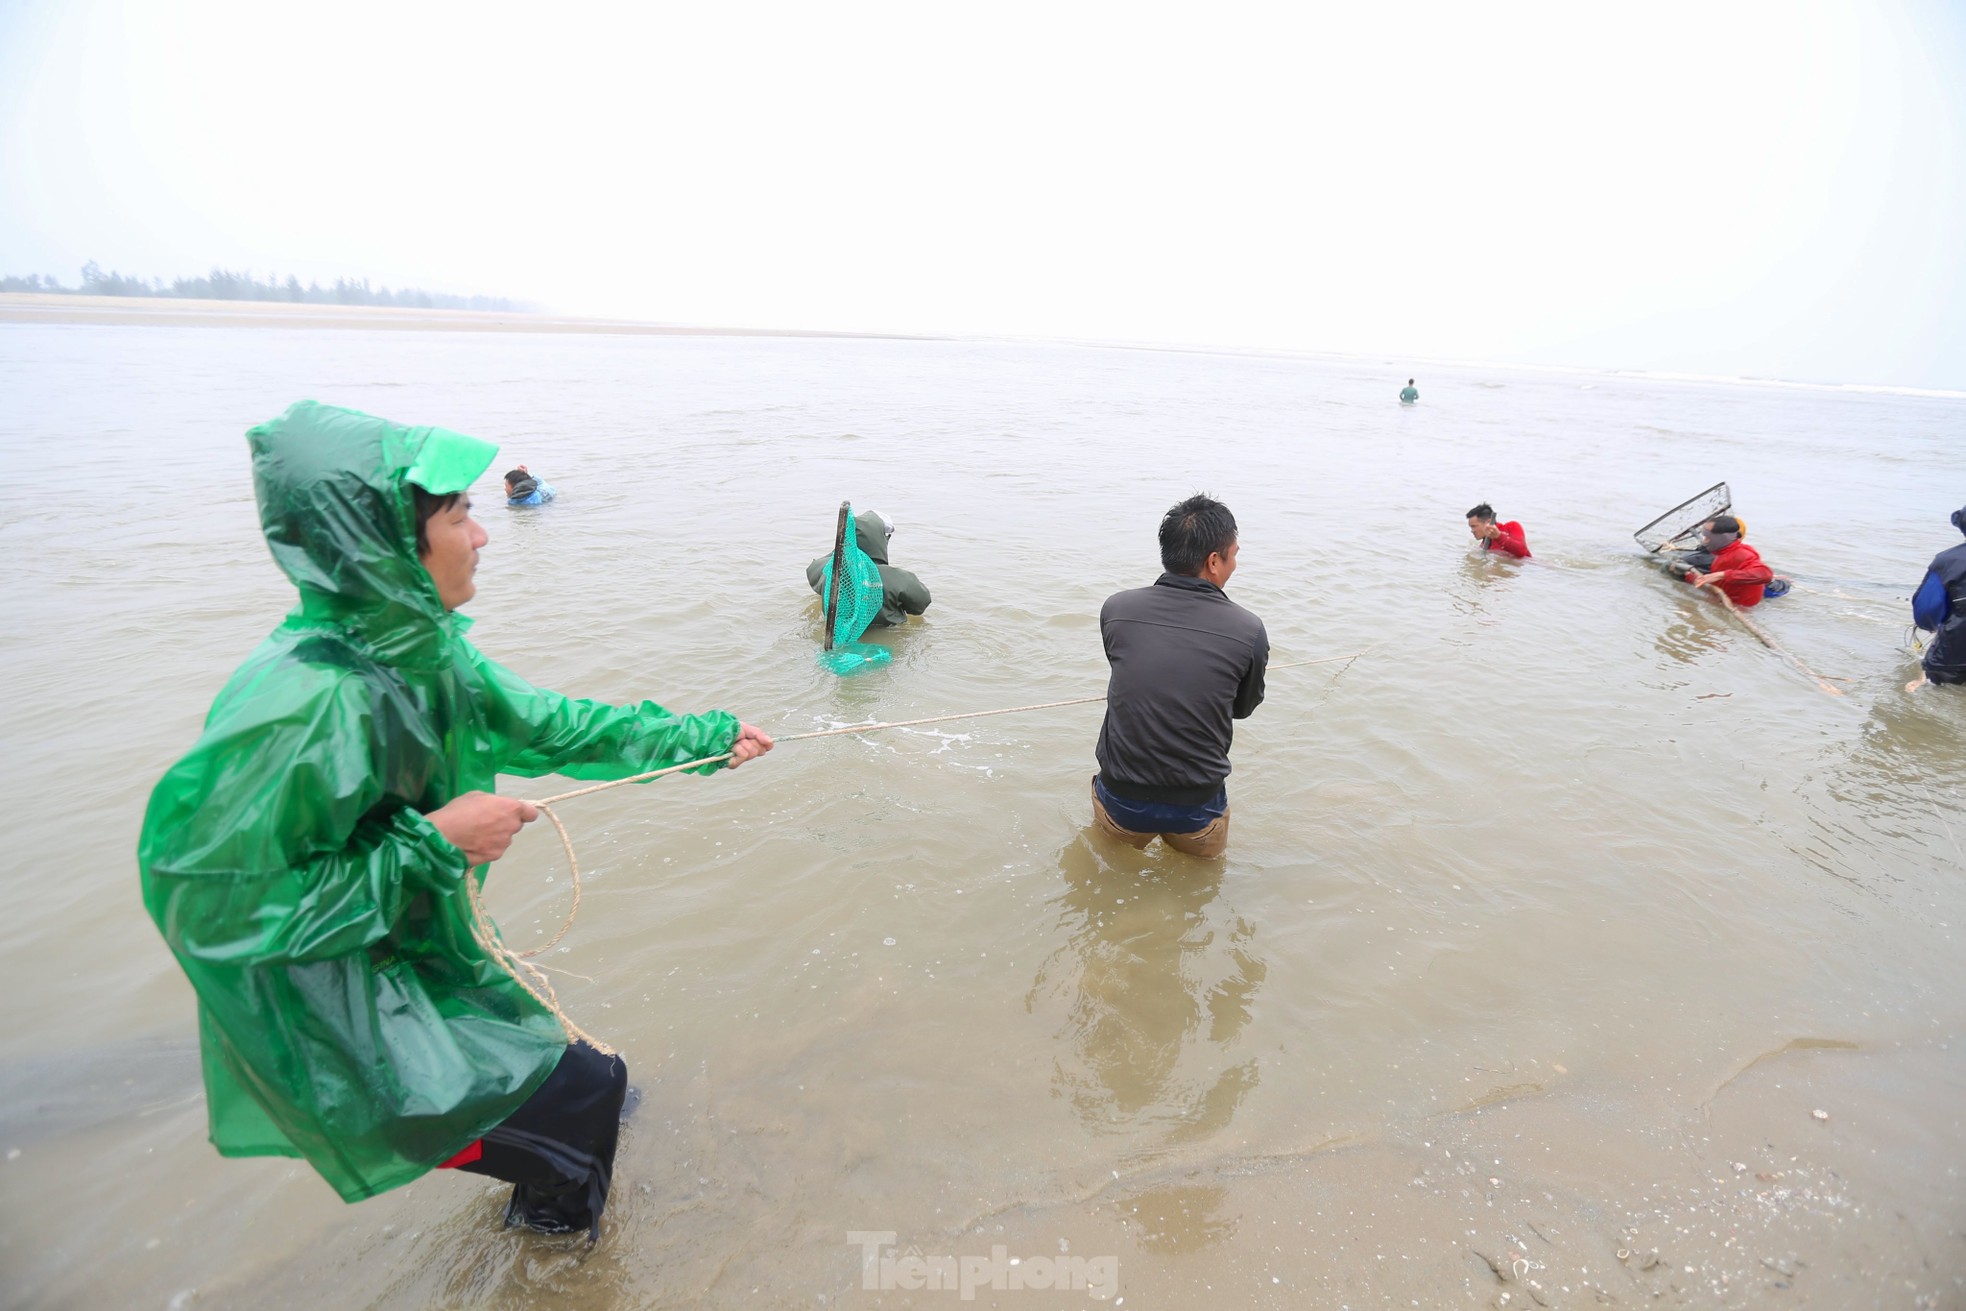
point(1939, 607)
point(521, 488)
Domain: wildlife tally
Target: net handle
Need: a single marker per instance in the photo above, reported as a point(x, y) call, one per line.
point(1694, 531)
point(839, 567)
point(1674, 541)
point(1726, 504)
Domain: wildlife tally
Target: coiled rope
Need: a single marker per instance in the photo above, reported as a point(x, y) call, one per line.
point(531, 977)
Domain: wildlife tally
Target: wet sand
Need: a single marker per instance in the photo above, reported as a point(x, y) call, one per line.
point(1552, 1195)
point(1560, 1195)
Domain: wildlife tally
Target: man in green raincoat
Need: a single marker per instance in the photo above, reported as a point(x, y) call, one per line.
point(307, 860)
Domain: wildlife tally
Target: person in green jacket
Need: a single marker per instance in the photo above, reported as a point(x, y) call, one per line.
point(307, 861)
point(1409, 393)
point(902, 594)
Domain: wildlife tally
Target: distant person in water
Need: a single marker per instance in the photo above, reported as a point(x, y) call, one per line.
point(521, 488)
point(1939, 607)
point(1727, 562)
point(902, 594)
point(1507, 538)
point(1409, 393)
point(1187, 663)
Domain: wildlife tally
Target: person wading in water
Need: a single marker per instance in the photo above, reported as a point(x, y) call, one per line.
point(902, 594)
point(1504, 538)
point(1939, 607)
point(1187, 662)
point(308, 861)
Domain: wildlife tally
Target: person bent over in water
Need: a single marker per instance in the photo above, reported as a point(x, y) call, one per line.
point(1187, 662)
point(1507, 538)
point(902, 594)
point(311, 862)
point(1939, 607)
point(1726, 562)
point(1678, 562)
point(521, 488)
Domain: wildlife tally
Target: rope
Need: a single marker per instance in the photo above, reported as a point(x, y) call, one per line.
point(518, 964)
point(872, 728)
point(1820, 680)
point(1761, 635)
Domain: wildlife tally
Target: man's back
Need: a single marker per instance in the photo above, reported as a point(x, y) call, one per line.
point(1940, 606)
point(1186, 661)
point(1747, 574)
point(1949, 566)
point(902, 593)
point(534, 493)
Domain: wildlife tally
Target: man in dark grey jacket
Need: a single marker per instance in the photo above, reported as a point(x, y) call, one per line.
point(1187, 661)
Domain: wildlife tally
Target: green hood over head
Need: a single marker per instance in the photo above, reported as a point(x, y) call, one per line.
point(336, 507)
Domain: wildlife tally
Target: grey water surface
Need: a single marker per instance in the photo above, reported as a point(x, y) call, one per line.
point(1567, 838)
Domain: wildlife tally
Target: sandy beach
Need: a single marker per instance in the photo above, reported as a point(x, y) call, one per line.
point(138, 311)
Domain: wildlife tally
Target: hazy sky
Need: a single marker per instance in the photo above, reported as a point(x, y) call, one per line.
point(1773, 189)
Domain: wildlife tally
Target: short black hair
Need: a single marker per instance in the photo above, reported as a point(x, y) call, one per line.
point(427, 504)
point(1192, 531)
point(1484, 511)
point(1409, 382)
point(515, 475)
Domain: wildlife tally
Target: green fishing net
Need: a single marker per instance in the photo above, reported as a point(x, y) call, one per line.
point(854, 606)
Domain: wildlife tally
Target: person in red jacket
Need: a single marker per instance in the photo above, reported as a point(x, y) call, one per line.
point(1508, 538)
point(1736, 568)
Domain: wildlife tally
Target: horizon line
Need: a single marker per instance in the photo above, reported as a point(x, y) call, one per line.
point(80, 309)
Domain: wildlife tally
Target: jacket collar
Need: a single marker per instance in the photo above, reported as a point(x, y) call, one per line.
point(1736, 547)
point(1188, 583)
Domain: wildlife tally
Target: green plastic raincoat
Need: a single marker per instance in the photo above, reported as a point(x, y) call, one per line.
point(346, 1013)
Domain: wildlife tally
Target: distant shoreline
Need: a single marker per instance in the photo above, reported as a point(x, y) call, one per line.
point(130, 311)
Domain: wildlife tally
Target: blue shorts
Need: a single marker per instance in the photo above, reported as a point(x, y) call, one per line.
point(1160, 816)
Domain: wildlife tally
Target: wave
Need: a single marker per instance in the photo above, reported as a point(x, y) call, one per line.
point(1881, 389)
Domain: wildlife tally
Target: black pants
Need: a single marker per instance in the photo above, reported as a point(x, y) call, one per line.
point(1945, 658)
point(557, 1149)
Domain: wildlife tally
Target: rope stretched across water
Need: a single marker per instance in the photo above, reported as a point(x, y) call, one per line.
point(1761, 634)
point(1822, 681)
point(519, 964)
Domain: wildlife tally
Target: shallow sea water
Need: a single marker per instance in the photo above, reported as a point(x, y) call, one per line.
point(1568, 873)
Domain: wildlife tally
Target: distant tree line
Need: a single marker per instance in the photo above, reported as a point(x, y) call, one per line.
point(223, 284)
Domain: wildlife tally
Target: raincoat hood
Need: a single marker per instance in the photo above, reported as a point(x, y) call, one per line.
point(871, 532)
point(336, 507)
